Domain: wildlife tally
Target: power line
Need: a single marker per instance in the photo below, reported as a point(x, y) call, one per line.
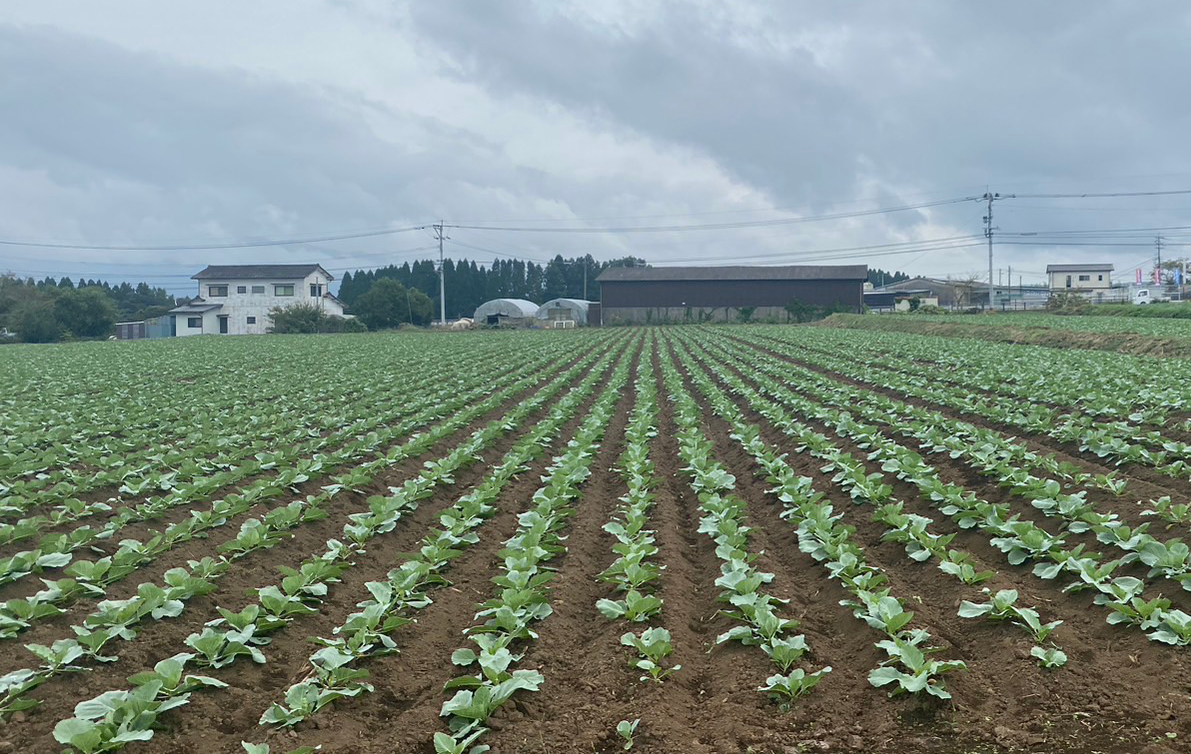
point(396, 252)
point(1103, 231)
point(716, 226)
point(203, 246)
point(1105, 195)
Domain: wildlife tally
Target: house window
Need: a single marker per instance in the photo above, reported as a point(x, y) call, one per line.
point(316, 290)
point(194, 323)
point(252, 320)
point(283, 290)
point(1100, 278)
point(217, 291)
point(241, 289)
point(258, 289)
point(1085, 278)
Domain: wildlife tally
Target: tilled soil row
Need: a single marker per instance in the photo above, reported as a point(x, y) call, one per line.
point(1002, 682)
point(991, 393)
point(1144, 483)
point(157, 640)
point(142, 530)
point(337, 508)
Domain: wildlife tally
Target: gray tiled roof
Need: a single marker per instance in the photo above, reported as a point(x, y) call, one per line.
point(258, 272)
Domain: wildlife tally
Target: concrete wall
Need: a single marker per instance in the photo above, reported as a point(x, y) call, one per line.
point(661, 315)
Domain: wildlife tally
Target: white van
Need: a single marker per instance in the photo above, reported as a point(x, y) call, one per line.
point(1145, 296)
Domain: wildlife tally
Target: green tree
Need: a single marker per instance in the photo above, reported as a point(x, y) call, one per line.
point(388, 303)
point(34, 321)
point(85, 313)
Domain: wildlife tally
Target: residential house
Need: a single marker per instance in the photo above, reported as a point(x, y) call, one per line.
point(1079, 278)
point(235, 299)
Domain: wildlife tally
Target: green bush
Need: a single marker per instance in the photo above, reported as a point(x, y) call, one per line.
point(311, 318)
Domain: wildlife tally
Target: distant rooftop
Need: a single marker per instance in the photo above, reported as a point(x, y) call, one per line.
point(802, 272)
point(1094, 267)
point(258, 271)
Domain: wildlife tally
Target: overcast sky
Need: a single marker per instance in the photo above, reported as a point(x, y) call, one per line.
point(149, 123)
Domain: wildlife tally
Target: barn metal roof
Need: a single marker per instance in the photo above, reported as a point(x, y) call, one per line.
point(801, 272)
point(258, 272)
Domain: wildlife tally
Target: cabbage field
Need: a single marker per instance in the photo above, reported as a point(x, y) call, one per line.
point(713, 540)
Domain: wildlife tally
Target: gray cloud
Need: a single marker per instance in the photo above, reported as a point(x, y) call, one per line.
point(511, 111)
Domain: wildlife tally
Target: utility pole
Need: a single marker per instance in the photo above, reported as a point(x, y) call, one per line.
point(1158, 249)
point(988, 233)
point(442, 275)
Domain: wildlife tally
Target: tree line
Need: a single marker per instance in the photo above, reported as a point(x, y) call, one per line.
point(470, 284)
point(48, 310)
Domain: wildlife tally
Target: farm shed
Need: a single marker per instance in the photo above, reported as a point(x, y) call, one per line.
point(950, 293)
point(506, 312)
point(700, 294)
point(564, 310)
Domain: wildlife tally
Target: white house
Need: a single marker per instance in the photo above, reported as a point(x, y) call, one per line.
point(235, 299)
point(1079, 278)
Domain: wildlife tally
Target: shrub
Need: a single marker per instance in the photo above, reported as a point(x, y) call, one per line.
point(311, 318)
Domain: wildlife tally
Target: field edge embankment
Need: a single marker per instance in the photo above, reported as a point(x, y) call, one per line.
point(1132, 343)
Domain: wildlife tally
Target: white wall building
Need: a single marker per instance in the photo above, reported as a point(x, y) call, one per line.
point(1079, 278)
point(235, 299)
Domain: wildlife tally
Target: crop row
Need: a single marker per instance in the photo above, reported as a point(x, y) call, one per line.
point(114, 619)
point(1021, 540)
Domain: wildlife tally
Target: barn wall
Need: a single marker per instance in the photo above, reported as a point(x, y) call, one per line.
point(616, 294)
point(670, 315)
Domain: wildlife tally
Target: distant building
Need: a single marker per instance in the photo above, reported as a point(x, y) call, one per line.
point(564, 312)
point(699, 294)
point(950, 294)
point(506, 312)
point(1079, 278)
point(235, 299)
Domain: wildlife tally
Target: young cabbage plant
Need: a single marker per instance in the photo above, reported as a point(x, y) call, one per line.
point(444, 743)
point(217, 648)
point(784, 652)
point(468, 708)
point(919, 673)
point(786, 688)
point(1002, 607)
point(1049, 657)
point(635, 606)
point(654, 646)
point(626, 730)
point(169, 673)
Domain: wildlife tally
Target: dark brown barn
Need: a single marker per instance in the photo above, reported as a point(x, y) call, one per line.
point(678, 294)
